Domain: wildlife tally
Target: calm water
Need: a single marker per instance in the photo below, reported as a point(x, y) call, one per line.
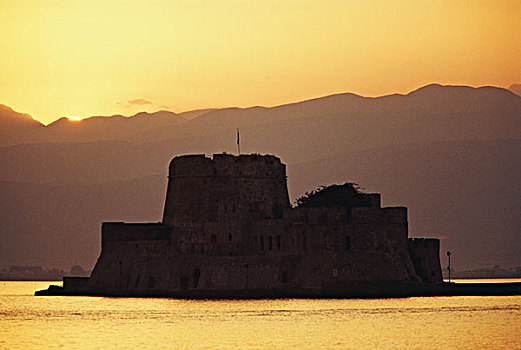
point(27, 321)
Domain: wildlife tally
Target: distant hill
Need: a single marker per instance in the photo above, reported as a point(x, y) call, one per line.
point(14, 125)
point(94, 129)
point(424, 114)
point(515, 88)
point(195, 113)
point(298, 132)
point(449, 153)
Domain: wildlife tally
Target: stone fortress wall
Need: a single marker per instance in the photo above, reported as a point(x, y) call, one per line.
point(228, 226)
point(425, 255)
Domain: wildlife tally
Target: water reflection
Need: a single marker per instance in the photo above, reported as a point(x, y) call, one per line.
point(87, 322)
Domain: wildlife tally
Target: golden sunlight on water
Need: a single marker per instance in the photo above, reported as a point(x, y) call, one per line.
point(485, 280)
point(27, 321)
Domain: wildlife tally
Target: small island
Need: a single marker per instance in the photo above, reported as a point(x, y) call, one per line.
point(230, 231)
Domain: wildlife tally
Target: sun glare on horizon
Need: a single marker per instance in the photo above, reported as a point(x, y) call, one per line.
point(75, 119)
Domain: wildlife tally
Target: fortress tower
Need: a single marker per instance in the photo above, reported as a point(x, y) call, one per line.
point(211, 202)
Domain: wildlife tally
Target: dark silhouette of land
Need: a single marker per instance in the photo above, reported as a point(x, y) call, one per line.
point(450, 154)
point(515, 88)
point(14, 126)
point(38, 273)
point(488, 272)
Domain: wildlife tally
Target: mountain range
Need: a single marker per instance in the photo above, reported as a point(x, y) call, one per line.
point(451, 154)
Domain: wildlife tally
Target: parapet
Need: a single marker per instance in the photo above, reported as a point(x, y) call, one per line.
point(250, 165)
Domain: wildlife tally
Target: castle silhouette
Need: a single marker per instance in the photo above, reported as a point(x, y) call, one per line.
point(229, 231)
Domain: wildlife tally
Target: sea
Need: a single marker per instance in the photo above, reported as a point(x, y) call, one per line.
point(31, 322)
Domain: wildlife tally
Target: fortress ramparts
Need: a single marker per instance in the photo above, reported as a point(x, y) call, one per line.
point(229, 230)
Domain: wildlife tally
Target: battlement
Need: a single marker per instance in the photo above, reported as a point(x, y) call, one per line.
point(250, 165)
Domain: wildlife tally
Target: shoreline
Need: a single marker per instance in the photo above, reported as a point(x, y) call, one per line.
point(376, 292)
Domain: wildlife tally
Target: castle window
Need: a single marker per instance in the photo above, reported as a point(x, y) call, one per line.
point(347, 242)
point(261, 242)
point(213, 239)
point(278, 242)
point(229, 236)
point(197, 275)
point(304, 243)
point(270, 243)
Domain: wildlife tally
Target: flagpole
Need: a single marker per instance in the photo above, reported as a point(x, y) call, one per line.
point(238, 143)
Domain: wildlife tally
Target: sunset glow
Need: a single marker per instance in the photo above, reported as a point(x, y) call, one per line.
point(252, 174)
point(62, 58)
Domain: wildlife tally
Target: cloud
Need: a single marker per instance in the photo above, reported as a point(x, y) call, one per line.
point(140, 101)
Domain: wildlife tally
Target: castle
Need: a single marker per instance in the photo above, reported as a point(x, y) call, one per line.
point(229, 230)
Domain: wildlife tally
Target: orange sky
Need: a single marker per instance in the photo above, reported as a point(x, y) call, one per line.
point(82, 58)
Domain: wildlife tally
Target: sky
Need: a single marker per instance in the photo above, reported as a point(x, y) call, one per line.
point(84, 58)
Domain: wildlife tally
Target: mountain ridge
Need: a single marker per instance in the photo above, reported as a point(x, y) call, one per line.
point(515, 88)
point(161, 124)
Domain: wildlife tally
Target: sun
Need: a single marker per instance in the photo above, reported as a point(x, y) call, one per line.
point(75, 119)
